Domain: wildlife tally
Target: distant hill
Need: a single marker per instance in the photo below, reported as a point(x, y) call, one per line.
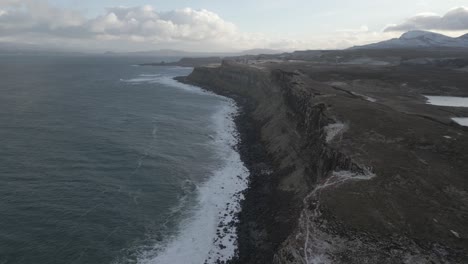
point(188, 62)
point(31, 49)
point(10, 48)
point(419, 39)
point(262, 51)
point(181, 53)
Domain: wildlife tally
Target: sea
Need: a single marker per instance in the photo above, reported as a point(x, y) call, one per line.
point(104, 161)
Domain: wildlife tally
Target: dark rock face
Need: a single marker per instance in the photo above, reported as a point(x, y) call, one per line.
point(348, 165)
point(269, 212)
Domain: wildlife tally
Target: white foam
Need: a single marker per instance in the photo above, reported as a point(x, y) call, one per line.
point(141, 79)
point(167, 80)
point(463, 121)
point(447, 101)
point(151, 75)
point(208, 234)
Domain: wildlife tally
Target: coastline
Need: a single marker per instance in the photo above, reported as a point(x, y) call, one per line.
point(259, 234)
point(209, 234)
point(342, 165)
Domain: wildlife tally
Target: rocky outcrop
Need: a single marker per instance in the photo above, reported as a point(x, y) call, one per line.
point(334, 198)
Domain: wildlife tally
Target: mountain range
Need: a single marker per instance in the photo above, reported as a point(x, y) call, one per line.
point(409, 40)
point(9, 48)
point(419, 39)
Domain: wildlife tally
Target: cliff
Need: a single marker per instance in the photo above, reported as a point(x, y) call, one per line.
point(361, 172)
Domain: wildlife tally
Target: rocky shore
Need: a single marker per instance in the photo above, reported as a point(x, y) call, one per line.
point(348, 163)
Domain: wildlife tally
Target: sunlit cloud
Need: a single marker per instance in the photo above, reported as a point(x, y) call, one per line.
point(455, 20)
point(145, 27)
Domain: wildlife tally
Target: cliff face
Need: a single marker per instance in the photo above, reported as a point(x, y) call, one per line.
point(293, 126)
point(345, 169)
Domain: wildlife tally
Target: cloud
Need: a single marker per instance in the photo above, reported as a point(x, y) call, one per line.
point(145, 23)
point(145, 28)
point(455, 20)
point(29, 16)
point(133, 24)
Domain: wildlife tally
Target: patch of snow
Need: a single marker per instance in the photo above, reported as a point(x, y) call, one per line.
point(455, 234)
point(414, 39)
point(318, 244)
point(333, 130)
point(343, 176)
point(447, 101)
point(463, 121)
point(367, 98)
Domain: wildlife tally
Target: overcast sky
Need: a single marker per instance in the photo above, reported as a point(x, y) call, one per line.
point(217, 25)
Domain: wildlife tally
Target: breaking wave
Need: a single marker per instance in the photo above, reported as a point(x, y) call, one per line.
point(208, 234)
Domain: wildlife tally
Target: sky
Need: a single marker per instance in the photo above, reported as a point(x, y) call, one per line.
point(218, 25)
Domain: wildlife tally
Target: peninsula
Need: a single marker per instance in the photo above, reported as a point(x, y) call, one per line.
point(349, 160)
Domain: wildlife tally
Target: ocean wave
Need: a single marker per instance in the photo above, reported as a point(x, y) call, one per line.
point(167, 80)
point(209, 233)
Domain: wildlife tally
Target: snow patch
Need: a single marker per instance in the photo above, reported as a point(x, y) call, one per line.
point(318, 244)
point(447, 101)
point(456, 234)
point(365, 97)
point(334, 130)
point(463, 121)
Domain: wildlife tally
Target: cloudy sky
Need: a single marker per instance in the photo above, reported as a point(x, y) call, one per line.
point(218, 25)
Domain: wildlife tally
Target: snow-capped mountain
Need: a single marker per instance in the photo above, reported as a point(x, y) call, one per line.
point(420, 39)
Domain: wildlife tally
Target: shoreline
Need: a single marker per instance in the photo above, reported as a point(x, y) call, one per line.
point(259, 235)
point(212, 229)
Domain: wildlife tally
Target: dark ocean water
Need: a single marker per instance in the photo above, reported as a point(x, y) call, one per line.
point(105, 162)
